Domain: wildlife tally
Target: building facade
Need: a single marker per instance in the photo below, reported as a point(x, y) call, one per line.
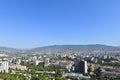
point(80, 66)
point(4, 66)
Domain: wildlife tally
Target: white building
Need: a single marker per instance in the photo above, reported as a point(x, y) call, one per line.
point(4, 66)
point(19, 61)
point(18, 67)
point(3, 55)
point(47, 61)
point(37, 62)
point(86, 67)
point(34, 58)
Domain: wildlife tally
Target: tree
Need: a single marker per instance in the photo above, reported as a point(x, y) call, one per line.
point(58, 73)
point(42, 77)
point(61, 78)
point(98, 72)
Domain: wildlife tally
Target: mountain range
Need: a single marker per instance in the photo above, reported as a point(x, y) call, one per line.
point(65, 49)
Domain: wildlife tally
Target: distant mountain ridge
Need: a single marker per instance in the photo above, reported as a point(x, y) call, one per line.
point(96, 46)
point(7, 48)
point(93, 48)
point(76, 49)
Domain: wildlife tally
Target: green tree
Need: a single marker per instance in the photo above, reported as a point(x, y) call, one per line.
point(98, 72)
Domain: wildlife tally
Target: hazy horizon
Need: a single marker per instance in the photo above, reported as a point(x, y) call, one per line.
point(29, 24)
point(59, 45)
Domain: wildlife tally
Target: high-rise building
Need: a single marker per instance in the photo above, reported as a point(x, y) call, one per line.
point(80, 66)
point(4, 66)
point(46, 62)
point(19, 61)
point(34, 58)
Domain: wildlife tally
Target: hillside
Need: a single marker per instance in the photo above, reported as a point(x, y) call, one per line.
point(65, 49)
point(7, 50)
point(97, 48)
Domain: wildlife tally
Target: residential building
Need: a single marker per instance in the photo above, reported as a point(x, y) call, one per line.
point(4, 66)
point(80, 66)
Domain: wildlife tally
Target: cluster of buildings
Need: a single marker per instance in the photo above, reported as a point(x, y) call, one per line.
point(75, 68)
point(79, 66)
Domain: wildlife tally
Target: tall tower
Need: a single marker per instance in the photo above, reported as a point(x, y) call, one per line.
point(81, 66)
point(86, 67)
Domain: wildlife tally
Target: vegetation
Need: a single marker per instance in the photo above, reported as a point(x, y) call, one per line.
point(8, 76)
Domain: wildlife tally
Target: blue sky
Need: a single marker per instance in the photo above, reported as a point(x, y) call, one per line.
point(35, 23)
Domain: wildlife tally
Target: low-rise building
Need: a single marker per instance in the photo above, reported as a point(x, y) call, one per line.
point(18, 67)
point(76, 76)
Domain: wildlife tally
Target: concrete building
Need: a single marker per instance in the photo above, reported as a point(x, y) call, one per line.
point(4, 66)
point(19, 61)
point(47, 62)
point(3, 55)
point(34, 58)
point(66, 64)
point(80, 67)
point(37, 62)
point(75, 76)
point(18, 67)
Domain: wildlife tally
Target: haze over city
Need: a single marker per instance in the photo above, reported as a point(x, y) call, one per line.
point(29, 24)
point(59, 40)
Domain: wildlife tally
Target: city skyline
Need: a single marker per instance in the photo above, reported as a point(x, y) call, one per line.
point(30, 24)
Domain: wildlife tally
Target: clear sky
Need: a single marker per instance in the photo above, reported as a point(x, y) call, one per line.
point(36, 23)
